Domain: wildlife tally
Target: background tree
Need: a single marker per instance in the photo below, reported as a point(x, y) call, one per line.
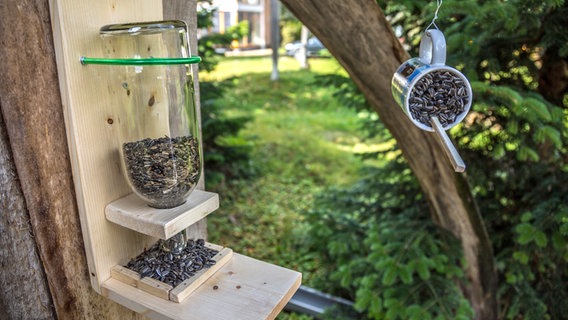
point(512, 136)
point(225, 154)
point(370, 58)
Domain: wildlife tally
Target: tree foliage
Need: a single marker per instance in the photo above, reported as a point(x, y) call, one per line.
point(226, 155)
point(384, 252)
point(377, 240)
point(500, 42)
point(208, 43)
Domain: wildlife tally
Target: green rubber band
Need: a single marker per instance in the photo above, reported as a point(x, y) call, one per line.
point(141, 62)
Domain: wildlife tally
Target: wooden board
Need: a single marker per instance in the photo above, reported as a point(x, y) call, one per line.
point(123, 274)
point(243, 289)
point(133, 213)
point(155, 288)
point(93, 121)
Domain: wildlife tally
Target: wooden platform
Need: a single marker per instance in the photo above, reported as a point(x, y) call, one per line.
point(133, 213)
point(243, 289)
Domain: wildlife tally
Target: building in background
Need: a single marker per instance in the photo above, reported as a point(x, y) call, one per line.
point(231, 12)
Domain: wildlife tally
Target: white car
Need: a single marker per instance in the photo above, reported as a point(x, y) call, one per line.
point(313, 47)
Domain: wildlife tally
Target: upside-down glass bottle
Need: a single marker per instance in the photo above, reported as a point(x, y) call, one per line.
point(158, 129)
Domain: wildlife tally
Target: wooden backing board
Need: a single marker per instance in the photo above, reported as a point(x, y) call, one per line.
point(133, 213)
point(93, 121)
point(243, 289)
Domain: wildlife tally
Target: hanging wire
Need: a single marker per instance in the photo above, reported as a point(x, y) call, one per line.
point(433, 23)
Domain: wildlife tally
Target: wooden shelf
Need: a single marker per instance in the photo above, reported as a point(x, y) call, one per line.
point(131, 212)
point(244, 288)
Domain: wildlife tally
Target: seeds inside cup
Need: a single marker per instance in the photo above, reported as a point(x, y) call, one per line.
point(440, 93)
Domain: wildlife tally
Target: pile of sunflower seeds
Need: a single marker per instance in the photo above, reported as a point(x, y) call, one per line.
point(439, 93)
point(172, 268)
point(163, 170)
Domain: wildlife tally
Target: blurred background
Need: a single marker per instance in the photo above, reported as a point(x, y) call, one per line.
point(310, 179)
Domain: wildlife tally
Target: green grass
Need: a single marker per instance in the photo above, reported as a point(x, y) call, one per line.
point(302, 141)
point(231, 67)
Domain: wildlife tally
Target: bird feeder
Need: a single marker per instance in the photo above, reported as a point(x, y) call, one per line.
point(134, 145)
point(434, 96)
point(159, 148)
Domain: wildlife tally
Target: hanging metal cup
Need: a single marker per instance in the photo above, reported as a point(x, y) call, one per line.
point(434, 96)
point(426, 87)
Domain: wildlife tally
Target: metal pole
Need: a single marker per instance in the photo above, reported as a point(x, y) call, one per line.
point(302, 54)
point(275, 36)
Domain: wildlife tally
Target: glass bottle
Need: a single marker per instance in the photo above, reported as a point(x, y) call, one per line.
point(160, 143)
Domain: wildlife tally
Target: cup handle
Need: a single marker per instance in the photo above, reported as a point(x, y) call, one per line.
point(433, 47)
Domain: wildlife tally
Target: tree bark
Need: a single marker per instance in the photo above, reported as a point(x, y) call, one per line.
point(553, 77)
point(33, 115)
point(37, 194)
point(360, 38)
point(19, 260)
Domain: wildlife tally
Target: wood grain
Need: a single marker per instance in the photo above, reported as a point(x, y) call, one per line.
point(155, 288)
point(125, 275)
point(133, 213)
point(184, 289)
point(243, 289)
point(22, 278)
point(88, 106)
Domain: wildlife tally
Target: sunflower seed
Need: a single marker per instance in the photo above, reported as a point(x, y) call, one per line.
point(438, 93)
point(170, 268)
point(163, 170)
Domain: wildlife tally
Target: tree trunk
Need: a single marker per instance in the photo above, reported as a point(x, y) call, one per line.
point(359, 36)
point(19, 259)
point(553, 77)
point(44, 268)
point(33, 116)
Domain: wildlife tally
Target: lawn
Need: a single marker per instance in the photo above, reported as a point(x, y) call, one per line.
point(302, 140)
